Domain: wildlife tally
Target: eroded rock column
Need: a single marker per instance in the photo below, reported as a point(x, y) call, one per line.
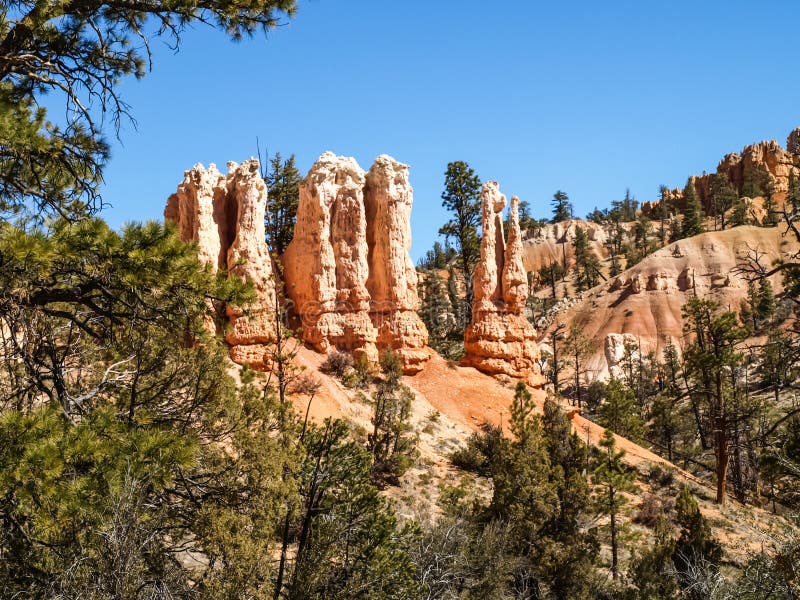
point(500, 340)
point(325, 265)
point(392, 281)
point(224, 215)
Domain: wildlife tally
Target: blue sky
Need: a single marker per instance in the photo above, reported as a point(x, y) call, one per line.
point(587, 97)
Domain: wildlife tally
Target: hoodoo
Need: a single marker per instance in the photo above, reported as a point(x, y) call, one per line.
point(325, 265)
point(347, 269)
point(500, 340)
point(392, 281)
point(224, 215)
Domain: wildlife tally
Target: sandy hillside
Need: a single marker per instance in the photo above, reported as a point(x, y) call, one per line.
point(646, 300)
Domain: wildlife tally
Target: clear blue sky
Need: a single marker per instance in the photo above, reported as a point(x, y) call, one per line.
point(587, 97)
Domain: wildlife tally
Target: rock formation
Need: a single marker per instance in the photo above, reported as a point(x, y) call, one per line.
point(325, 265)
point(347, 269)
point(615, 347)
point(392, 281)
point(500, 340)
point(224, 215)
point(793, 142)
point(767, 162)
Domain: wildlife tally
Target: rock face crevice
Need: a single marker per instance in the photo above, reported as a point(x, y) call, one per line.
point(500, 340)
point(347, 269)
point(224, 216)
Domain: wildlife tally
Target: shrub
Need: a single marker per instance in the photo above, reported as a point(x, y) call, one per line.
point(337, 364)
point(479, 453)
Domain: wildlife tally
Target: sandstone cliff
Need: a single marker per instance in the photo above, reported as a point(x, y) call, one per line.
point(224, 215)
point(500, 340)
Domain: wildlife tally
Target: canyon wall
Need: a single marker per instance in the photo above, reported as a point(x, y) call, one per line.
point(500, 340)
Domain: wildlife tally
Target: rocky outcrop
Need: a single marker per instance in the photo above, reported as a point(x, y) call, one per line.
point(793, 142)
point(766, 163)
point(552, 243)
point(392, 280)
point(500, 340)
point(347, 269)
point(615, 347)
point(224, 216)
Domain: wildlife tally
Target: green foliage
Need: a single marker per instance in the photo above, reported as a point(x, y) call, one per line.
point(440, 317)
point(651, 571)
point(80, 53)
point(461, 197)
point(619, 412)
point(755, 182)
point(283, 195)
point(695, 542)
point(613, 479)
point(562, 207)
point(551, 274)
point(480, 452)
point(693, 215)
point(739, 214)
point(723, 197)
point(793, 194)
point(392, 442)
point(522, 492)
point(587, 266)
point(349, 544)
point(437, 257)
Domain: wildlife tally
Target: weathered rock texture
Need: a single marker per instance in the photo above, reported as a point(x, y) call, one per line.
point(347, 269)
point(552, 243)
point(224, 215)
point(392, 281)
point(500, 340)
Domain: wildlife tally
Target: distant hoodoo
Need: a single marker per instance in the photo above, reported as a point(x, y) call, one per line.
point(500, 340)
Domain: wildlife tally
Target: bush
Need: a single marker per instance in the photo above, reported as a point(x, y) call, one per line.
point(479, 453)
point(337, 364)
point(650, 510)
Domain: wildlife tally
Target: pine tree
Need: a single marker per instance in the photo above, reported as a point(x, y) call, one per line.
point(578, 348)
point(461, 197)
point(708, 360)
point(693, 214)
point(619, 412)
point(562, 207)
point(392, 442)
point(587, 267)
point(283, 195)
point(523, 495)
point(89, 50)
point(771, 209)
point(437, 313)
point(724, 197)
point(695, 542)
point(614, 479)
point(793, 194)
point(739, 214)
